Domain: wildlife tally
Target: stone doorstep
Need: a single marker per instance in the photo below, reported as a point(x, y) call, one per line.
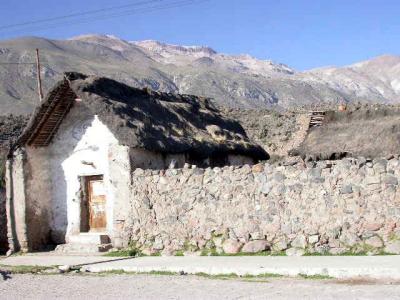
point(86, 242)
point(89, 238)
point(79, 248)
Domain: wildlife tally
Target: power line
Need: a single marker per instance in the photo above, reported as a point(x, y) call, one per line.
point(17, 63)
point(73, 15)
point(143, 10)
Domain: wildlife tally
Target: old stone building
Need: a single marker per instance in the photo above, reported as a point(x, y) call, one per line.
point(69, 173)
point(102, 165)
point(370, 131)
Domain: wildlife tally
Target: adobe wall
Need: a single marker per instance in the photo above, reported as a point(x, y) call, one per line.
point(16, 201)
point(38, 196)
point(326, 207)
point(3, 222)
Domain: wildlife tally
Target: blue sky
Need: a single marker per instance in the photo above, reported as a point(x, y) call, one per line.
point(302, 34)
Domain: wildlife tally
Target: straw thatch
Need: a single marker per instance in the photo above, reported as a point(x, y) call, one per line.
point(371, 132)
point(141, 118)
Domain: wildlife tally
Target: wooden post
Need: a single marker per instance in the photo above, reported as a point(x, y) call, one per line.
point(39, 80)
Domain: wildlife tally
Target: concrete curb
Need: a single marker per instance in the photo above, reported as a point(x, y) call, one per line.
point(336, 267)
point(341, 267)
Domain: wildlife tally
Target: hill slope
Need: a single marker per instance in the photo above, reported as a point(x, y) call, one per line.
point(234, 81)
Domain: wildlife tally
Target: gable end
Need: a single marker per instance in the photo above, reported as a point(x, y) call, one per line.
point(49, 116)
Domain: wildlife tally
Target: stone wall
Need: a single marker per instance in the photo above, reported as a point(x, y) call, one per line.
point(3, 222)
point(351, 205)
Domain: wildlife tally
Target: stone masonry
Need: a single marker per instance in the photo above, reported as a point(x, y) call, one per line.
point(350, 205)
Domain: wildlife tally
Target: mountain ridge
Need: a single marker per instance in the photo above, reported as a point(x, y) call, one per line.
point(238, 81)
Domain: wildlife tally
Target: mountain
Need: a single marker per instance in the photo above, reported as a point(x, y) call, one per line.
point(238, 81)
point(375, 80)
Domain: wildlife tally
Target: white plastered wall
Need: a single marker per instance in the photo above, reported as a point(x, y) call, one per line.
point(81, 147)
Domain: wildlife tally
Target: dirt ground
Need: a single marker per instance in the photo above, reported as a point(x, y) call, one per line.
point(113, 286)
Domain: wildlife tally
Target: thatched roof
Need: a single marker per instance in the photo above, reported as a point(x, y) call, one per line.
point(370, 131)
point(141, 118)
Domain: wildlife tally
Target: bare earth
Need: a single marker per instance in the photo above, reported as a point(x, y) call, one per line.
point(188, 287)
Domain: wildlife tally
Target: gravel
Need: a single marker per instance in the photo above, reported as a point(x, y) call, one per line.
point(188, 287)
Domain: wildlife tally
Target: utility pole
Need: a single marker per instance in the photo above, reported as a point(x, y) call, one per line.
point(39, 79)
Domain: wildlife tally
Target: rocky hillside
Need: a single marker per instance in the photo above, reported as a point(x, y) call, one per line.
point(235, 81)
point(10, 128)
point(274, 131)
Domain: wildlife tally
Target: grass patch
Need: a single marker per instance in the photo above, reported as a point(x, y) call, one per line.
point(24, 269)
point(129, 253)
point(122, 272)
point(124, 253)
point(246, 277)
point(348, 253)
point(162, 273)
point(315, 277)
point(235, 276)
point(111, 272)
point(217, 276)
point(263, 275)
point(261, 253)
point(213, 252)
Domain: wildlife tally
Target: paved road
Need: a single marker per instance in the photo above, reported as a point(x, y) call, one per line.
point(187, 287)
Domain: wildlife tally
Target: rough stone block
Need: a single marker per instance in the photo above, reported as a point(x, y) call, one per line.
point(299, 241)
point(295, 252)
point(346, 189)
point(255, 246)
point(231, 246)
point(393, 247)
point(373, 226)
point(349, 239)
point(313, 239)
point(390, 179)
point(280, 245)
point(258, 168)
point(337, 251)
point(374, 241)
point(372, 180)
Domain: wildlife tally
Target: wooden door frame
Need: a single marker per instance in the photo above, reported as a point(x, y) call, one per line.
point(85, 210)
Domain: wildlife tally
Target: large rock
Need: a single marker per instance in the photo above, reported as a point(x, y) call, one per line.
point(280, 245)
point(346, 189)
point(373, 226)
point(313, 239)
point(349, 239)
point(255, 246)
point(295, 252)
point(231, 246)
point(258, 168)
point(299, 241)
point(389, 179)
point(393, 247)
point(372, 180)
point(374, 241)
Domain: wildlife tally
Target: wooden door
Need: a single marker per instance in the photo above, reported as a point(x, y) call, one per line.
point(97, 203)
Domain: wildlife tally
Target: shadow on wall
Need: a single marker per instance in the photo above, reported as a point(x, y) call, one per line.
point(51, 185)
point(3, 222)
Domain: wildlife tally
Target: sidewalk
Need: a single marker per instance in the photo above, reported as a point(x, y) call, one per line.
point(374, 267)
